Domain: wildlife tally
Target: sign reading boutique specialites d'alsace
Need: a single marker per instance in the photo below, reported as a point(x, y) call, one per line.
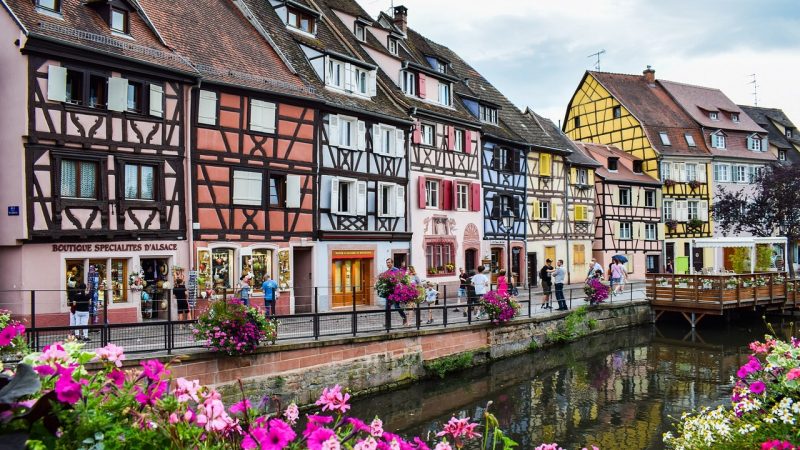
point(114, 247)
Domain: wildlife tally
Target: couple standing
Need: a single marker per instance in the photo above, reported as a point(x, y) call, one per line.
point(551, 276)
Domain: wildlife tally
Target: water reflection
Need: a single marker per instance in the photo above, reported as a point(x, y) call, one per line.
point(616, 391)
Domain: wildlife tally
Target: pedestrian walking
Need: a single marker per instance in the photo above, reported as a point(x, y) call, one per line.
point(618, 274)
point(270, 288)
point(481, 284)
point(558, 274)
point(430, 298)
point(502, 284)
point(463, 285)
point(244, 289)
point(547, 283)
point(391, 268)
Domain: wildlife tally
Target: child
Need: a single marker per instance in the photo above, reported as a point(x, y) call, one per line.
point(430, 298)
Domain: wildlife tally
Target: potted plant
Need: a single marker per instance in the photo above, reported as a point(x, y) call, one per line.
point(694, 184)
point(707, 283)
point(671, 224)
point(669, 183)
point(695, 224)
point(731, 283)
point(662, 281)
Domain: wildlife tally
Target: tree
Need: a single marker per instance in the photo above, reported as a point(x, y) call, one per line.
point(770, 207)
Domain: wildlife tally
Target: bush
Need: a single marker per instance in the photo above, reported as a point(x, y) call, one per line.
point(447, 364)
point(231, 327)
point(764, 408)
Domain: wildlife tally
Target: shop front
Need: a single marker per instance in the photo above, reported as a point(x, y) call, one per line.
point(351, 277)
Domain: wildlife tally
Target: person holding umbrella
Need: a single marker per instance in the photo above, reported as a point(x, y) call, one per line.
point(618, 273)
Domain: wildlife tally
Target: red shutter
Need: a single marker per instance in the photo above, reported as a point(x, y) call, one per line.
point(451, 137)
point(475, 197)
point(468, 142)
point(421, 85)
point(447, 195)
point(416, 138)
point(421, 192)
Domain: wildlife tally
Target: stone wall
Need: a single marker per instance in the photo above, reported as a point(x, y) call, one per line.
point(298, 372)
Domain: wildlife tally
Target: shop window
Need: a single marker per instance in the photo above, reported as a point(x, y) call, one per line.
point(78, 179)
point(75, 274)
point(139, 182)
point(259, 263)
point(119, 280)
point(439, 257)
point(221, 270)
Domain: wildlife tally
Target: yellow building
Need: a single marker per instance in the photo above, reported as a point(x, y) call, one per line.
point(636, 114)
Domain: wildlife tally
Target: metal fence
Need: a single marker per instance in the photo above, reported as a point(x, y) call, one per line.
point(170, 335)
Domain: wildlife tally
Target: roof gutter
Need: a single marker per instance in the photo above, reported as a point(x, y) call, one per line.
point(365, 112)
point(434, 115)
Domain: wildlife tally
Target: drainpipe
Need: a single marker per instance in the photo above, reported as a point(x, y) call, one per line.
point(188, 114)
point(567, 171)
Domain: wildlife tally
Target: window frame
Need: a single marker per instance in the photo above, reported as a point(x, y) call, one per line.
point(691, 175)
point(781, 155)
point(666, 170)
point(718, 141)
point(628, 197)
point(458, 137)
point(740, 174)
point(693, 204)
point(352, 136)
point(613, 162)
point(299, 16)
point(78, 178)
point(650, 198)
point(713, 115)
point(340, 66)
point(56, 6)
point(433, 192)
point(432, 135)
point(616, 112)
point(445, 90)
point(140, 97)
point(544, 211)
point(689, 140)
point(650, 231)
point(139, 166)
point(391, 45)
point(638, 166)
point(754, 143)
point(626, 225)
point(462, 196)
point(358, 26)
point(362, 81)
point(125, 20)
point(717, 172)
point(488, 114)
point(664, 138)
point(735, 117)
point(352, 196)
point(409, 85)
point(435, 252)
point(582, 176)
point(280, 187)
point(668, 209)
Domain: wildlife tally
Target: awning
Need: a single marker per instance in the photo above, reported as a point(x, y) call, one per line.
point(724, 242)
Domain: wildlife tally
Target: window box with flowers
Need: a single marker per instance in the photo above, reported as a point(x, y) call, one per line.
point(694, 224)
point(440, 259)
point(694, 184)
point(670, 183)
point(672, 225)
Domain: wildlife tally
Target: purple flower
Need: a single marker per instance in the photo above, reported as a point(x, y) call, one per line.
point(318, 437)
point(242, 406)
point(67, 390)
point(757, 387)
point(153, 369)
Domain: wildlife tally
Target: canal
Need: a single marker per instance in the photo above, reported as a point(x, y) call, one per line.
point(616, 391)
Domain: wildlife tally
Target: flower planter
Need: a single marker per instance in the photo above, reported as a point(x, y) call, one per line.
point(762, 291)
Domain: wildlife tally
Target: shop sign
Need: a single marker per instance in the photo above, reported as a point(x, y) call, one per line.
point(114, 247)
point(498, 242)
point(353, 254)
point(13, 210)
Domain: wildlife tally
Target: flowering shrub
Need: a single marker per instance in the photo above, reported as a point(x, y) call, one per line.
point(499, 308)
point(231, 327)
point(12, 336)
point(396, 286)
point(596, 292)
point(764, 410)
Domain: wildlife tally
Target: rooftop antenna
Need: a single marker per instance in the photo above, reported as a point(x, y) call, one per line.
point(597, 55)
point(755, 88)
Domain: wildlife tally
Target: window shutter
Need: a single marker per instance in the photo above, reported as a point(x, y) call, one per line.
point(247, 188)
point(637, 230)
point(475, 197)
point(117, 94)
point(717, 170)
point(495, 206)
point(333, 130)
point(590, 178)
point(349, 77)
point(207, 108)
point(400, 204)
point(765, 144)
point(536, 215)
point(380, 201)
point(573, 174)
point(421, 85)
point(416, 137)
point(496, 158)
point(553, 211)
point(372, 79)
point(361, 200)
point(57, 83)
point(544, 164)
point(447, 195)
point(262, 116)
point(451, 137)
point(468, 142)
point(293, 191)
point(516, 163)
point(580, 213)
point(683, 207)
point(400, 143)
point(156, 100)
point(335, 195)
point(704, 210)
point(377, 144)
point(421, 192)
point(701, 173)
point(361, 137)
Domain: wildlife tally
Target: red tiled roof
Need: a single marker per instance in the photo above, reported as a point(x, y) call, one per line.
point(736, 147)
point(624, 173)
point(698, 101)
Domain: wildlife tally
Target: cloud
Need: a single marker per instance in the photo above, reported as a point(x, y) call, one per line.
point(536, 51)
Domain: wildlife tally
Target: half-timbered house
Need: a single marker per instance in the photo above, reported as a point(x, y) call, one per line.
point(361, 142)
point(99, 162)
point(581, 209)
point(628, 211)
point(637, 114)
point(253, 158)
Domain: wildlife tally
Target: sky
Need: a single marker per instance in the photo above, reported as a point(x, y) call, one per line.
point(536, 51)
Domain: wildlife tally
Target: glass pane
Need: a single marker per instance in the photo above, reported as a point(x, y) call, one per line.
point(337, 277)
point(118, 20)
point(148, 188)
point(274, 198)
point(68, 179)
point(131, 181)
point(119, 273)
point(132, 97)
point(88, 180)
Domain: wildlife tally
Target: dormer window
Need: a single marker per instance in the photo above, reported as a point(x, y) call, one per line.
point(782, 155)
point(350, 78)
point(718, 140)
point(300, 20)
point(664, 138)
point(360, 32)
point(713, 115)
point(441, 67)
point(392, 46)
point(754, 143)
point(637, 167)
point(735, 117)
point(409, 83)
point(119, 21)
point(788, 132)
point(613, 164)
point(444, 94)
point(49, 5)
point(488, 115)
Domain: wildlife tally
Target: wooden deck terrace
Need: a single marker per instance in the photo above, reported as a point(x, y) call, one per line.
point(695, 296)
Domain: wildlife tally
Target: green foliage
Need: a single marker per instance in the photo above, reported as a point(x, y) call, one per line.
point(533, 345)
point(494, 437)
point(447, 364)
point(573, 327)
point(740, 260)
point(763, 258)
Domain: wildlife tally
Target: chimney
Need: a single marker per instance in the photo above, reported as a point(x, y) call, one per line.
point(401, 18)
point(649, 75)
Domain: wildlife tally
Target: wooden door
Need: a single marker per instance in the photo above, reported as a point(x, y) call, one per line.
point(470, 257)
point(349, 276)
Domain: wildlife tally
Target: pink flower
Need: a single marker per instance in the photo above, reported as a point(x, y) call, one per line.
point(757, 387)
point(376, 427)
point(117, 377)
point(242, 406)
point(274, 437)
point(211, 415)
point(593, 448)
point(552, 446)
point(153, 369)
point(45, 370)
point(331, 444)
point(334, 400)
point(10, 332)
point(292, 413)
point(318, 437)
point(186, 390)
point(794, 373)
point(53, 353)
point(776, 444)
point(173, 419)
point(459, 429)
point(443, 446)
point(110, 353)
point(151, 395)
point(367, 444)
point(314, 422)
point(358, 425)
point(67, 390)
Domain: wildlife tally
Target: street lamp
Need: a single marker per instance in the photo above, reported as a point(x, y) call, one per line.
point(508, 223)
